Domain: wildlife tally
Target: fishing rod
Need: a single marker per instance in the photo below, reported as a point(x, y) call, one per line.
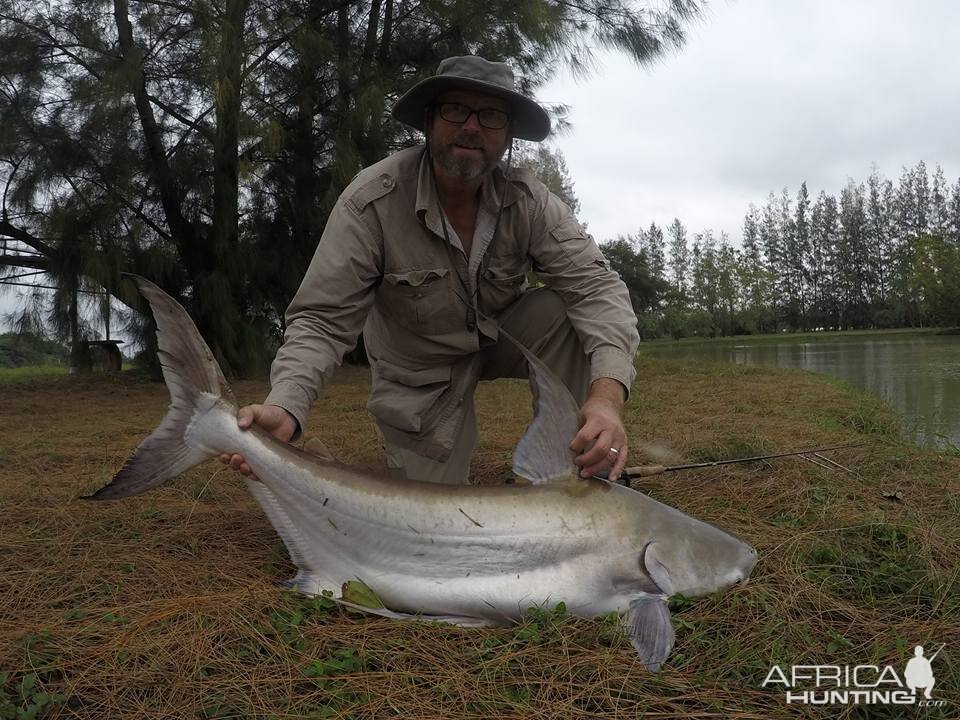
point(639, 471)
point(942, 646)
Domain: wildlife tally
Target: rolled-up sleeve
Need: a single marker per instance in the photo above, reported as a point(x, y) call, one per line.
point(598, 304)
point(327, 314)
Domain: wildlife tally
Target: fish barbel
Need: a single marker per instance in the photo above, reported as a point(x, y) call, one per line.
point(470, 555)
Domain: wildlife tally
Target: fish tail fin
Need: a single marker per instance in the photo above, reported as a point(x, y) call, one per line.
point(195, 382)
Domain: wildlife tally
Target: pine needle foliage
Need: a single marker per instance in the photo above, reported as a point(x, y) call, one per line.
point(203, 144)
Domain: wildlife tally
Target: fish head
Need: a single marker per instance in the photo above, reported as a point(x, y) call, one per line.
point(699, 560)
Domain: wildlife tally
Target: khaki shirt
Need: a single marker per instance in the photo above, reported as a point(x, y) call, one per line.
point(383, 260)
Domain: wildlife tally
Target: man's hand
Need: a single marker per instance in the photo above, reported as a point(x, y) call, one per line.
point(602, 440)
point(272, 418)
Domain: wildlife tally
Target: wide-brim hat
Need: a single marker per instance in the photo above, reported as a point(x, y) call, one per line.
point(528, 121)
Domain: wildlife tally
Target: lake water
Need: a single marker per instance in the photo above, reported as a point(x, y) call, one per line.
point(917, 374)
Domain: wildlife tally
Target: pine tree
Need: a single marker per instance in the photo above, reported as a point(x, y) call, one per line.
point(891, 316)
point(656, 251)
point(772, 228)
point(550, 167)
point(939, 213)
point(954, 221)
point(728, 290)
point(853, 221)
point(799, 248)
point(679, 259)
point(166, 124)
point(753, 276)
point(751, 234)
point(921, 200)
point(824, 251)
point(878, 236)
point(705, 286)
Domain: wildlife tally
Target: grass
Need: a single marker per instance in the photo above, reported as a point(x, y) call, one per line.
point(165, 605)
point(31, 372)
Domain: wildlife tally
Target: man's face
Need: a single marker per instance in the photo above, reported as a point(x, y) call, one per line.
point(467, 150)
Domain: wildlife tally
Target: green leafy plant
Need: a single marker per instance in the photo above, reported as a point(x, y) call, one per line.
point(26, 700)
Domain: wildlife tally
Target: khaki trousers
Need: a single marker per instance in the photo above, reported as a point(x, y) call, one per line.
point(538, 319)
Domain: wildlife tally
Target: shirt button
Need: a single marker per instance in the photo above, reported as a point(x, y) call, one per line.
point(387, 182)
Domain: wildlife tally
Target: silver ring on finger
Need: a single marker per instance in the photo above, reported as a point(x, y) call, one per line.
point(614, 451)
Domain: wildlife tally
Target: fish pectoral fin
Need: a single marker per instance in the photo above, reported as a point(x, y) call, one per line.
point(657, 571)
point(650, 630)
point(462, 621)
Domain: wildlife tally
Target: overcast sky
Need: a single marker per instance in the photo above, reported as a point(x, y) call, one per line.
point(765, 94)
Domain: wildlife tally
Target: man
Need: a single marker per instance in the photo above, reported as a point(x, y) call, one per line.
point(429, 248)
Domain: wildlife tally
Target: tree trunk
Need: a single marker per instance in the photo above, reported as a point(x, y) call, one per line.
point(383, 53)
point(224, 233)
point(73, 317)
point(183, 232)
point(221, 263)
point(210, 259)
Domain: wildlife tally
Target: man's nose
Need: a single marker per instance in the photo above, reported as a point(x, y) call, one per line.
point(472, 123)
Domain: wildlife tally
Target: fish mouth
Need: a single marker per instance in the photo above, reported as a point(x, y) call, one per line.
point(749, 565)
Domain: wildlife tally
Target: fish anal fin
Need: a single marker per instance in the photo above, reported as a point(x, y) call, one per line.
point(285, 527)
point(310, 584)
point(650, 630)
point(461, 621)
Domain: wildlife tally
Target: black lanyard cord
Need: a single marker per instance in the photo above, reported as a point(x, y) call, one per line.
point(471, 318)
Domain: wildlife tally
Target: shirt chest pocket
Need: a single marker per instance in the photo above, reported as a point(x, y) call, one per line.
point(421, 300)
point(502, 281)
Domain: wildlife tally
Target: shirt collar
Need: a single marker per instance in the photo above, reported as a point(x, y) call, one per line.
point(428, 206)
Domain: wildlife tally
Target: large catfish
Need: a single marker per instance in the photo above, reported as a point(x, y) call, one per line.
point(471, 555)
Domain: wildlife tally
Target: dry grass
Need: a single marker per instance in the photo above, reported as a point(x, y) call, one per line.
point(164, 606)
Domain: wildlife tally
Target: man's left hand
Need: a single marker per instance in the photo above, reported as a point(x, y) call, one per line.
point(602, 440)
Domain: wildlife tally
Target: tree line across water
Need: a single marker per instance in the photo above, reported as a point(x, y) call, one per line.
point(879, 255)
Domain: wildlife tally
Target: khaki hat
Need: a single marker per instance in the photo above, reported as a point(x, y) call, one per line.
point(529, 121)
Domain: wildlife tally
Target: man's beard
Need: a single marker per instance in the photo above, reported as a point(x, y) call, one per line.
point(465, 167)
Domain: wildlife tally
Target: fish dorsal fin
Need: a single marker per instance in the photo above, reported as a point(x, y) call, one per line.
point(544, 453)
point(316, 447)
